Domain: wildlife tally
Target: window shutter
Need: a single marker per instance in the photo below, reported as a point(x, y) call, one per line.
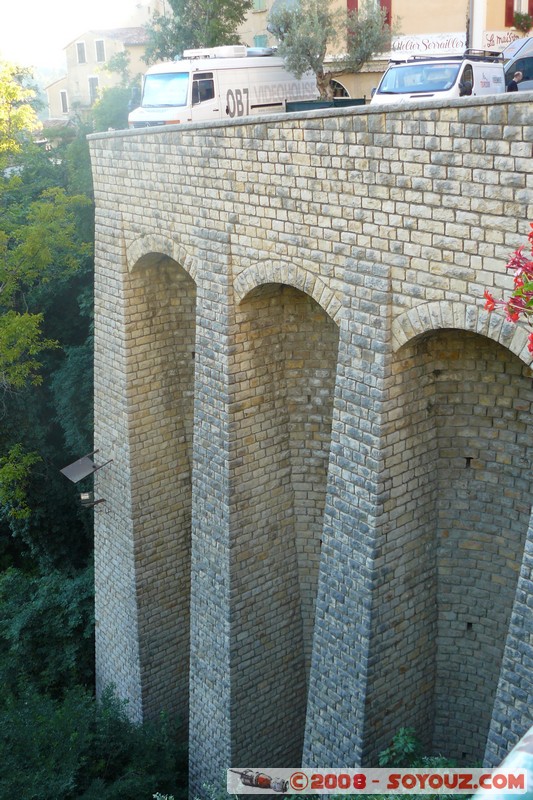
point(387, 6)
point(509, 13)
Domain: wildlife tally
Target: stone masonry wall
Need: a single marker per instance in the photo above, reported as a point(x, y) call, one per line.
point(360, 495)
point(161, 336)
point(405, 617)
point(484, 415)
point(445, 594)
point(283, 393)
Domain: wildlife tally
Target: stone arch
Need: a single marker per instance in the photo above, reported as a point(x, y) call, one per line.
point(160, 325)
point(285, 369)
point(460, 481)
point(442, 314)
point(288, 274)
point(150, 248)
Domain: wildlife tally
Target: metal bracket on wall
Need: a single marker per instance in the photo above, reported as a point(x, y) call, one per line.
point(80, 469)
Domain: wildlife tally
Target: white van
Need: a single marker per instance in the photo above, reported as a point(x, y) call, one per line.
point(518, 57)
point(218, 83)
point(475, 72)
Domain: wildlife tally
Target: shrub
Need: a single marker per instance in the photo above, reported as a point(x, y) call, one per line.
point(46, 629)
point(76, 749)
point(522, 22)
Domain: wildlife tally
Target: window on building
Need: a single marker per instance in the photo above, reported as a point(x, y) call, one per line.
point(259, 5)
point(64, 102)
point(338, 89)
point(516, 6)
point(261, 40)
point(80, 49)
point(93, 89)
point(100, 50)
point(386, 5)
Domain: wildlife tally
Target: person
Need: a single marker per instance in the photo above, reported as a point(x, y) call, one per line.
point(513, 84)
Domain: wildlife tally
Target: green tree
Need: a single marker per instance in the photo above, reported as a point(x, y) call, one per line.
point(37, 241)
point(111, 109)
point(46, 630)
point(72, 748)
point(46, 230)
point(194, 23)
point(120, 64)
point(310, 32)
point(56, 741)
point(110, 112)
point(17, 112)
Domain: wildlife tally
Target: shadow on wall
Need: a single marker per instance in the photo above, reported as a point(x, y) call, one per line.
point(286, 364)
point(459, 478)
point(161, 342)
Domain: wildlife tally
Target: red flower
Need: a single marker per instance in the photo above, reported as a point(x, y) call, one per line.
point(490, 305)
point(519, 262)
point(519, 305)
point(514, 308)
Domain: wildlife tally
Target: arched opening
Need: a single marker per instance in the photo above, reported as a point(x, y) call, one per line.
point(458, 459)
point(160, 336)
point(338, 89)
point(285, 365)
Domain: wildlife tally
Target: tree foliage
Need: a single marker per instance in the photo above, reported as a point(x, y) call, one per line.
point(14, 471)
point(17, 113)
point(60, 605)
point(71, 748)
point(46, 266)
point(194, 23)
point(111, 109)
point(21, 344)
point(110, 112)
point(38, 241)
point(46, 277)
point(311, 32)
point(56, 741)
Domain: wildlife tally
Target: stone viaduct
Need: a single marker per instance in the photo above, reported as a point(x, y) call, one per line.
point(316, 525)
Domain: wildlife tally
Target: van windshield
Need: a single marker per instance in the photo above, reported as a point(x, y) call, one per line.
point(166, 89)
point(413, 78)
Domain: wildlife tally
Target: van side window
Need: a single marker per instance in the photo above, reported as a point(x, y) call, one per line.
point(203, 87)
point(466, 83)
point(523, 65)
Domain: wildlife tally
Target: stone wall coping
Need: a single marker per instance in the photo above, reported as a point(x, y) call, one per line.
point(323, 113)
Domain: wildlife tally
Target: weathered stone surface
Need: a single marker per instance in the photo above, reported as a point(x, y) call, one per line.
point(319, 495)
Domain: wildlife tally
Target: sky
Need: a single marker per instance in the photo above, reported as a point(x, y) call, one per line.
point(33, 33)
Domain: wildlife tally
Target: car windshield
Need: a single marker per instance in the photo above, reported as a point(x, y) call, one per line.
point(165, 89)
point(412, 78)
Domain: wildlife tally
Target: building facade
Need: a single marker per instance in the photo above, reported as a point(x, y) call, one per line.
point(87, 58)
point(441, 28)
